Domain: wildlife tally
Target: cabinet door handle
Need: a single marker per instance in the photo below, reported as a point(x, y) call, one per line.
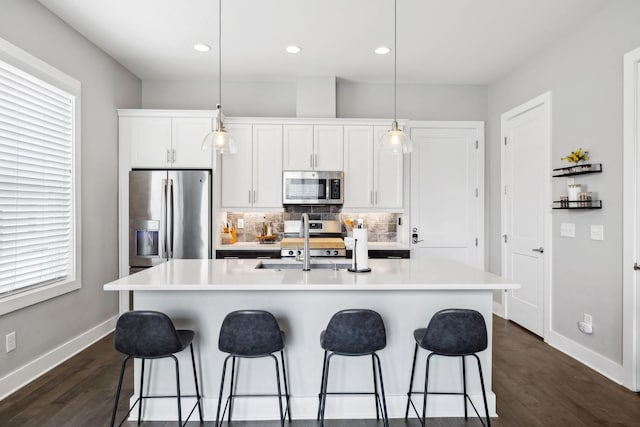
point(316, 157)
point(311, 160)
point(168, 156)
point(254, 197)
point(371, 197)
point(263, 257)
point(376, 197)
point(540, 249)
point(249, 196)
point(173, 155)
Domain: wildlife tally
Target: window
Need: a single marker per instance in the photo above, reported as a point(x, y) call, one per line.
point(38, 236)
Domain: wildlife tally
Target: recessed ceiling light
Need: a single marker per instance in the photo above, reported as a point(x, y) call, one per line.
point(382, 50)
point(201, 47)
point(293, 49)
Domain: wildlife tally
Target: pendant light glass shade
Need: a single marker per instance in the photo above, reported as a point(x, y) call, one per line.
point(219, 138)
point(395, 139)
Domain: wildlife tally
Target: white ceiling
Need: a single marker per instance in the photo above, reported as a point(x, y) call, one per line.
point(439, 41)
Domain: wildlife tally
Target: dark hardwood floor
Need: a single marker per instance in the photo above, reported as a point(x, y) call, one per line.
point(535, 384)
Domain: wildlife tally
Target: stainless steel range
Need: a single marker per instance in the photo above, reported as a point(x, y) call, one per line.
point(325, 239)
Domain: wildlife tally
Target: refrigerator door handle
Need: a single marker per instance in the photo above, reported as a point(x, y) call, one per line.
point(170, 225)
point(163, 218)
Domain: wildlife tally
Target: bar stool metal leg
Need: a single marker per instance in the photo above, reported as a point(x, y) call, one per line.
point(224, 371)
point(115, 405)
point(324, 367)
point(195, 379)
point(413, 371)
point(426, 389)
point(141, 392)
point(275, 359)
point(323, 403)
point(484, 393)
point(375, 387)
point(232, 389)
point(385, 414)
point(464, 388)
point(286, 384)
point(178, 389)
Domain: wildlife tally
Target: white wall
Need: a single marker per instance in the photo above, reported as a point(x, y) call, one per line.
point(106, 86)
point(584, 73)
point(354, 100)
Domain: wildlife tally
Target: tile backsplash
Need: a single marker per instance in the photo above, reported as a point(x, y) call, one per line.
point(382, 226)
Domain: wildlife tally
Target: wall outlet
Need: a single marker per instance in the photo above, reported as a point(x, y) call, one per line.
point(240, 223)
point(597, 232)
point(588, 319)
point(10, 340)
point(567, 229)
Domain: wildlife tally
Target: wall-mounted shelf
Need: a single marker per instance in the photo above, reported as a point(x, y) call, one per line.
point(577, 204)
point(577, 170)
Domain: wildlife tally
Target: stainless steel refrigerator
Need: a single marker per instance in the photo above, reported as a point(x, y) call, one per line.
point(169, 216)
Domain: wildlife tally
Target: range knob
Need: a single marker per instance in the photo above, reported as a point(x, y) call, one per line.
point(335, 253)
point(290, 253)
point(299, 252)
point(328, 252)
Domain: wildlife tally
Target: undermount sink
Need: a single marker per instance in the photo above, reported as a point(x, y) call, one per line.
point(298, 266)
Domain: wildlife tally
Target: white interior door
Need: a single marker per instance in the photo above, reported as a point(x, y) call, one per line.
point(526, 142)
point(631, 221)
point(447, 191)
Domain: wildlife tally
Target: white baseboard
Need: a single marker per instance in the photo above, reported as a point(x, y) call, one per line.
point(305, 408)
point(34, 369)
point(590, 358)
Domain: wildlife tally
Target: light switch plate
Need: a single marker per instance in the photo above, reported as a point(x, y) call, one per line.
point(597, 232)
point(240, 223)
point(567, 229)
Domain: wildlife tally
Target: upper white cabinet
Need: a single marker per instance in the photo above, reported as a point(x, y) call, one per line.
point(252, 177)
point(313, 147)
point(166, 142)
point(373, 179)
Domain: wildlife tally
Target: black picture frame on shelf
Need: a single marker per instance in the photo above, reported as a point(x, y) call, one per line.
point(578, 169)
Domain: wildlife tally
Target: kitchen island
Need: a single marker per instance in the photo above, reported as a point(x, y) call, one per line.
point(197, 294)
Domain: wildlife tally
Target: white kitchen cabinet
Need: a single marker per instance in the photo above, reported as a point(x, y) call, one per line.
point(373, 179)
point(313, 147)
point(235, 169)
point(166, 142)
point(252, 177)
point(387, 174)
point(187, 134)
point(267, 166)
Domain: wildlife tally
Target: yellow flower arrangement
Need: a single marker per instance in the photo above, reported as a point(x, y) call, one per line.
point(577, 156)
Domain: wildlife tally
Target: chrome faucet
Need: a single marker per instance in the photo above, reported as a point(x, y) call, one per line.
point(304, 230)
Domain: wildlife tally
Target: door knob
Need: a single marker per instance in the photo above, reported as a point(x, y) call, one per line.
point(540, 249)
point(636, 266)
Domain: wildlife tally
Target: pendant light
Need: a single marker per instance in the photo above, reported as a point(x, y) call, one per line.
point(219, 138)
point(395, 139)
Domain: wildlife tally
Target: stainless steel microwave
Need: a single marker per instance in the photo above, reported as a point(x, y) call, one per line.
point(312, 188)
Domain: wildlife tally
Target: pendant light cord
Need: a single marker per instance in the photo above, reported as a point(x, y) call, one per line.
point(220, 58)
point(395, 58)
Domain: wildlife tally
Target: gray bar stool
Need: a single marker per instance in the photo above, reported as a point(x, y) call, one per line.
point(452, 333)
point(151, 335)
point(354, 332)
point(251, 334)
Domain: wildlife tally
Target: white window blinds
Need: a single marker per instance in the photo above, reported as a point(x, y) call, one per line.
point(36, 186)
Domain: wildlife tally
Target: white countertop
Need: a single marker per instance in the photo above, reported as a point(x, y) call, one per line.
point(257, 246)
point(241, 274)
